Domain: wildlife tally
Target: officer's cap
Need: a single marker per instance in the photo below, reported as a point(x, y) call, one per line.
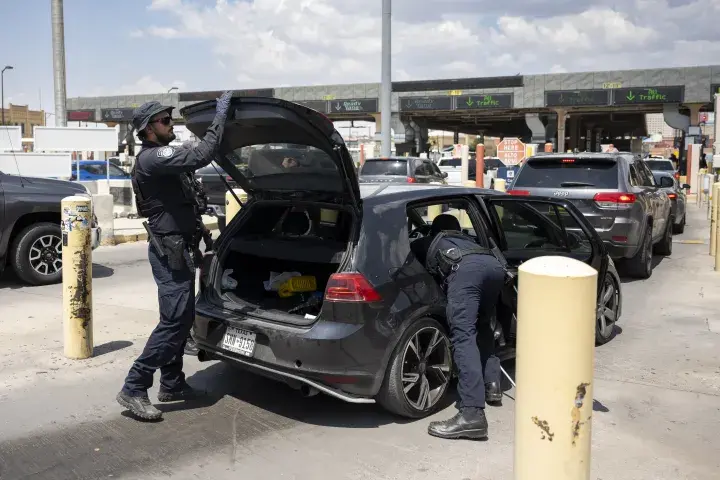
point(143, 114)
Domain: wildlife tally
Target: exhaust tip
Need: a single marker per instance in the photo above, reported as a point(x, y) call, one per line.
point(308, 391)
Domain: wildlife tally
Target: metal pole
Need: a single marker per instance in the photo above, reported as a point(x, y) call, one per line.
point(386, 87)
point(2, 95)
point(58, 44)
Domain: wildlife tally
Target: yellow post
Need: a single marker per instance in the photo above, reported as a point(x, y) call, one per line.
point(717, 256)
point(500, 184)
point(714, 217)
point(77, 276)
point(553, 413)
point(232, 207)
point(434, 211)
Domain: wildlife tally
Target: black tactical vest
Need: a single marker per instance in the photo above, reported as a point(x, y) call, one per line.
point(447, 250)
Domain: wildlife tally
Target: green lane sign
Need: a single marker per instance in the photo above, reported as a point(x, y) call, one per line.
point(645, 95)
point(482, 101)
point(416, 104)
point(577, 98)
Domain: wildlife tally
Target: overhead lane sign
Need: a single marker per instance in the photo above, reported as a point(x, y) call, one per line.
point(354, 105)
point(577, 98)
point(415, 104)
point(317, 105)
point(484, 101)
point(116, 114)
point(635, 96)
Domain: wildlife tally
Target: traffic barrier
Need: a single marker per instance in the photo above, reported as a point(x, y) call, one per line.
point(500, 184)
point(232, 207)
point(553, 413)
point(103, 209)
point(77, 276)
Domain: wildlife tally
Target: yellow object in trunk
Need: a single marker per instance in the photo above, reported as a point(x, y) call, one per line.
point(304, 283)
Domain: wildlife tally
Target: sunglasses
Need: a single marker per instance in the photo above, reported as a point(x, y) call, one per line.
point(163, 120)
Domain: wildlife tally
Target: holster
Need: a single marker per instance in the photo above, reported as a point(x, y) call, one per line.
point(175, 247)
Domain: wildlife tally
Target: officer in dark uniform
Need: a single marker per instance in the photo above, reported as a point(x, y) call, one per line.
point(473, 279)
point(164, 195)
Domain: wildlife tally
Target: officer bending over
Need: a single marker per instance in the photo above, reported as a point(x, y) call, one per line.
point(165, 196)
point(473, 279)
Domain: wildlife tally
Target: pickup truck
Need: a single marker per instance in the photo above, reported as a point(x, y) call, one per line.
point(30, 236)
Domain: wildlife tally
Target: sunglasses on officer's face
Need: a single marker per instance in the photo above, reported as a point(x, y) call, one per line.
point(163, 120)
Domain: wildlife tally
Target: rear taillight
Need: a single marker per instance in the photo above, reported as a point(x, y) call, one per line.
point(672, 196)
point(229, 178)
point(677, 175)
point(614, 200)
point(519, 192)
point(410, 180)
point(350, 287)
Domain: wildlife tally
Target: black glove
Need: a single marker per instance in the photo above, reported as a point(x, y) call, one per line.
point(223, 103)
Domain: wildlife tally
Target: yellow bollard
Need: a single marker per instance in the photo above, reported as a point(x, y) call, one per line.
point(717, 257)
point(232, 207)
point(499, 184)
point(553, 413)
point(433, 211)
point(77, 276)
point(714, 217)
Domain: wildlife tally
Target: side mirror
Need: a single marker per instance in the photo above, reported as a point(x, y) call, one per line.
point(666, 182)
point(686, 186)
point(444, 174)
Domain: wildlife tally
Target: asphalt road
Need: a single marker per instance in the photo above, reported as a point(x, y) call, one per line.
point(656, 407)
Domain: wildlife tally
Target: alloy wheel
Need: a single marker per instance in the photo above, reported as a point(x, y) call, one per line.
point(608, 308)
point(426, 368)
point(45, 255)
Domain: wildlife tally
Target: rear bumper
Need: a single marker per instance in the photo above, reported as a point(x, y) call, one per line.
point(343, 360)
point(623, 238)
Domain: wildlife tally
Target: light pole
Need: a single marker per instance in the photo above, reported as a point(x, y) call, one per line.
point(171, 89)
point(58, 49)
point(386, 85)
point(2, 91)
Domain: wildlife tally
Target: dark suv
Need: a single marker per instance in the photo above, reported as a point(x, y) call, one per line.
point(401, 170)
point(314, 282)
point(617, 194)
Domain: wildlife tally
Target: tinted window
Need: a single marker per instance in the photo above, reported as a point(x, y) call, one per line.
point(664, 165)
point(116, 171)
point(384, 167)
point(566, 173)
point(450, 162)
point(281, 158)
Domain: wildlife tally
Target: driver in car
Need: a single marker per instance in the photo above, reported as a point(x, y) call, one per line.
point(473, 279)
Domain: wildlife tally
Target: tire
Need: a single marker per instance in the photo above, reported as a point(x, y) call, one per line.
point(640, 266)
point(608, 310)
point(405, 369)
point(664, 247)
point(43, 242)
point(680, 228)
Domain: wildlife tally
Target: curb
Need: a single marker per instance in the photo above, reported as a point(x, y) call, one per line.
point(142, 237)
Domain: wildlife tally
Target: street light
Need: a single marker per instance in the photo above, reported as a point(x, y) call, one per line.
point(2, 91)
point(171, 89)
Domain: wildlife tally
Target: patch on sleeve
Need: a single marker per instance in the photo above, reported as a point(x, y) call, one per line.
point(166, 152)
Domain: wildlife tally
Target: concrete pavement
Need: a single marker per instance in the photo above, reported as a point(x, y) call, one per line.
point(656, 409)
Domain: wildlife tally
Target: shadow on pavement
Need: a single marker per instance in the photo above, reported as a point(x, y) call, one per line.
point(220, 379)
point(624, 278)
point(110, 347)
point(8, 279)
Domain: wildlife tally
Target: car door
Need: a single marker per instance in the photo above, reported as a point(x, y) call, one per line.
point(655, 195)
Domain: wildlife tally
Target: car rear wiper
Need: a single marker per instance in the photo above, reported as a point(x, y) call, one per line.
point(577, 184)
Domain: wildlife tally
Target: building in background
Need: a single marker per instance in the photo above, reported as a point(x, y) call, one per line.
point(21, 116)
point(655, 124)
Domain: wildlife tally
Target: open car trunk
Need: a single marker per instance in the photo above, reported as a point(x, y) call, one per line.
point(272, 244)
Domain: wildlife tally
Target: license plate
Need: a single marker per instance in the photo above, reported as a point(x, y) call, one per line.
point(239, 341)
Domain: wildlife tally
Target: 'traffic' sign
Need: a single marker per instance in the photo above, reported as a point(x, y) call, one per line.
point(511, 151)
point(487, 100)
point(632, 96)
point(352, 105)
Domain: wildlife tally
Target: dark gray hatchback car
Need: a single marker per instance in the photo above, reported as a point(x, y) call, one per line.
point(618, 195)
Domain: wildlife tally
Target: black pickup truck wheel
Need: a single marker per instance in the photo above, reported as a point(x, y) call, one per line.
point(37, 254)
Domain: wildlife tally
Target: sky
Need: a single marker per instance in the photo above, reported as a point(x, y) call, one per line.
point(148, 46)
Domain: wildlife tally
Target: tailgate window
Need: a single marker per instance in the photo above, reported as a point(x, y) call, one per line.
point(384, 167)
point(281, 158)
point(664, 165)
point(568, 173)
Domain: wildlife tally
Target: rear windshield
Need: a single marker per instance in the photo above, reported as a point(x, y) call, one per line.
point(450, 162)
point(664, 165)
point(384, 167)
point(281, 158)
point(570, 173)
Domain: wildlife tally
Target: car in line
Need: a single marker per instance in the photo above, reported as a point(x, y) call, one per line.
point(401, 170)
point(659, 164)
point(677, 194)
point(97, 170)
point(453, 167)
point(313, 283)
point(618, 195)
point(30, 232)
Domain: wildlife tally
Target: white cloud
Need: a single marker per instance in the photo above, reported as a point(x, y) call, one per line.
point(308, 42)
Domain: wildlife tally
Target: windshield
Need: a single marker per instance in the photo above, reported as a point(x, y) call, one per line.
point(568, 173)
point(281, 159)
point(384, 167)
point(664, 165)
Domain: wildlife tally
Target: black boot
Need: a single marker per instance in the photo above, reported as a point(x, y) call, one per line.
point(493, 393)
point(191, 347)
point(186, 392)
point(139, 406)
point(468, 423)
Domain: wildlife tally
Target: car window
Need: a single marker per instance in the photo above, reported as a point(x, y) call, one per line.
point(421, 169)
point(378, 166)
point(432, 168)
point(94, 169)
point(541, 226)
point(568, 172)
point(450, 162)
point(281, 158)
point(644, 174)
point(420, 219)
point(116, 171)
point(664, 165)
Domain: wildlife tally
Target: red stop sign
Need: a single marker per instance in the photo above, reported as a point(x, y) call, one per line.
point(511, 151)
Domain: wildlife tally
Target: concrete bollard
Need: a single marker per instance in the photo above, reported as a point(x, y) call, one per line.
point(714, 217)
point(500, 184)
point(553, 413)
point(717, 256)
point(103, 207)
point(480, 165)
point(77, 276)
point(231, 205)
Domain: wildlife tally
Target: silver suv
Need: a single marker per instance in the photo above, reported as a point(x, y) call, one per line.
point(616, 192)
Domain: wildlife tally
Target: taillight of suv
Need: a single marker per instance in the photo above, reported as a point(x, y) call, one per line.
point(350, 287)
point(614, 200)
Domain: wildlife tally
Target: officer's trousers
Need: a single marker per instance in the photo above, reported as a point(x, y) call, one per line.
point(164, 348)
point(472, 293)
